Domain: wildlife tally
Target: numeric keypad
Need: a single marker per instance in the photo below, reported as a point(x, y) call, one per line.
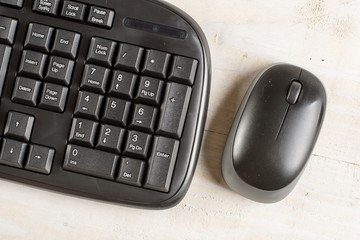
point(121, 109)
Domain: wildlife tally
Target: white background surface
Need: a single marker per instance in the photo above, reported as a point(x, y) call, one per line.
point(245, 36)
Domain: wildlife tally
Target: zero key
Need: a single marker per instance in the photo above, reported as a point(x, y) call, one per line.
point(90, 161)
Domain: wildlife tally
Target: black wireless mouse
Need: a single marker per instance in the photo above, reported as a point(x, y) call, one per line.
point(274, 133)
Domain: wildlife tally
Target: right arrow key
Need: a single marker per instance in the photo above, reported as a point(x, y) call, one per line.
point(40, 159)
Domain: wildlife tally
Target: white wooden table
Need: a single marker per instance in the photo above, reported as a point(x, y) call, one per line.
point(322, 36)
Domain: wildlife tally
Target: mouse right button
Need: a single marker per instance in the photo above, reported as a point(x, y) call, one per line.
point(294, 92)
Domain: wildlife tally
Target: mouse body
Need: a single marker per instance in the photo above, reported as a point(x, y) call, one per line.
point(274, 133)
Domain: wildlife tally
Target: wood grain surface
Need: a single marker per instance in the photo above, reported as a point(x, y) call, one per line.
point(245, 36)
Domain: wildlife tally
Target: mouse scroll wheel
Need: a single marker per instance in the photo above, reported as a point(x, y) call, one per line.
point(294, 92)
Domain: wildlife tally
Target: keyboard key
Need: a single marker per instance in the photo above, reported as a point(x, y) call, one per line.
point(137, 144)
point(101, 51)
point(150, 90)
point(19, 126)
point(111, 138)
point(116, 111)
point(89, 105)
point(13, 153)
point(53, 97)
point(161, 164)
point(40, 159)
point(131, 171)
point(123, 84)
point(91, 162)
point(66, 43)
point(26, 91)
point(46, 6)
point(7, 30)
point(33, 64)
point(95, 78)
point(60, 70)
point(39, 37)
point(83, 132)
point(101, 16)
point(174, 110)
point(73, 10)
point(13, 3)
point(183, 70)
point(129, 57)
point(5, 53)
point(156, 63)
point(144, 118)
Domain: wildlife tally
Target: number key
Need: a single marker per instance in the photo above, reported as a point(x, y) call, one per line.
point(88, 105)
point(83, 132)
point(137, 144)
point(95, 78)
point(116, 111)
point(123, 84)
point(111, 138)
point(144, 118)
point(90, 161)
point(150, 90)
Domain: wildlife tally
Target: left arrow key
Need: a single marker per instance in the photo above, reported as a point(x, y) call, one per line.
point(7, 30)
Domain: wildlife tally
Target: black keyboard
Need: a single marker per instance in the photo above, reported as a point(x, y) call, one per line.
point(103, 99)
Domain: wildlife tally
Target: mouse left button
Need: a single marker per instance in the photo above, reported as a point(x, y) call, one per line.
point(294, 92)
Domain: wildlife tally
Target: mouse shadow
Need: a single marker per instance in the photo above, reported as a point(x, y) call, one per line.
point(219, 123)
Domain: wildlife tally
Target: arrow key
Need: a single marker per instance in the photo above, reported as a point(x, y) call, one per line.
point(12, 153)
point(40, 159)
point(19, 126)
point(7, 30)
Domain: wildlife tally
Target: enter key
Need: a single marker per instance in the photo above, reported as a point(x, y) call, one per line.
point(161, 164)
